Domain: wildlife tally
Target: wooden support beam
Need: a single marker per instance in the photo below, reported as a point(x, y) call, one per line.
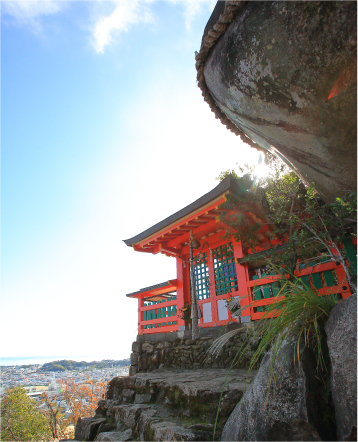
point(142, 249)
point(168, 237)
point(172, 227)
point(199, 231)
point(212, 240)
point(157, 249)
point(170, 250)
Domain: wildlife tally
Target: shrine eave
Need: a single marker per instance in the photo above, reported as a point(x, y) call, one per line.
point(158, 289)
point(228, 184)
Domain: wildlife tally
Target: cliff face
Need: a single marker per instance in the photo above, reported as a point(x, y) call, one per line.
point(284, 75)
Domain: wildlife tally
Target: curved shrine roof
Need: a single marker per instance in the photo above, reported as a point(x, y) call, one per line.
point(229, 184)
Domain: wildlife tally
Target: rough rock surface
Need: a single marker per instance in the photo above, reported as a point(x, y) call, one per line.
point(341, 330)
point(292, 409)
point(187, 354)
point(285, 73)
point(115, 435)
point(196, 392)
point(86, 429)
point(180, 405)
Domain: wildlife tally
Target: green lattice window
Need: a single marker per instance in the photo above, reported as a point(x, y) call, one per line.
point(224, 270)
point(202, 283)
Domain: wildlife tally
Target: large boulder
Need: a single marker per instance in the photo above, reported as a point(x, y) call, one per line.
point(87, 428)
point(283, 75)
point(115, 436)
point(341, 330)
point(293, 408)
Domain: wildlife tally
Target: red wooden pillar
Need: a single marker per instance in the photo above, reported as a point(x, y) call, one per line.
point(140, 315)
point(242, 273)
point(180, 289)
point(186, 280)
point(214, 304)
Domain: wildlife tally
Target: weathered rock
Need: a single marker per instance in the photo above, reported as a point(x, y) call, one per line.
point(171, 395)
point(353, 437)
point(133, 369)
point(128, 393)
point(87, 428)
point(136, 347)
point(295, 409)
point(142, 398)
point(144, 361)
point(169, 431)
point(129, 414)
point(341, 330)
point(117, 384)
point(134, 358)
point(164, 344)
point(115, 435)
point(228, 402)
point(202, 427)
point(147, 347)
point(145, 419)
point(190, 342)
point(285, 74)
point(105, 428)
point(155, 360)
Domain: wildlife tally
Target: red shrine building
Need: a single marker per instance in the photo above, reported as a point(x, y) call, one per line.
point(221, 272)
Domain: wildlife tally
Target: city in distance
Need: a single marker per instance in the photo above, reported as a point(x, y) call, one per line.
point(26, 375)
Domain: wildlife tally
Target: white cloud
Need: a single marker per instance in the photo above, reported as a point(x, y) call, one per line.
point(193, 7)
point(30, 10)
point(125, 14)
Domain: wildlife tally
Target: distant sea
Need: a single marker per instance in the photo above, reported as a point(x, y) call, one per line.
point(44, 359)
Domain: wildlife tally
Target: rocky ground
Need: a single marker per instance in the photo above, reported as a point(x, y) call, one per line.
point(165, 405)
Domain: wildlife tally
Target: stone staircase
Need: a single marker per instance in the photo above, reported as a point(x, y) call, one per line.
point(172, 404)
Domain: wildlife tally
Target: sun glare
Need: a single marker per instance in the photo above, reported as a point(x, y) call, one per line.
point(261, 171)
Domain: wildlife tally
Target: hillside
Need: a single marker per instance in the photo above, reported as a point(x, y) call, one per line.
point(64, 365)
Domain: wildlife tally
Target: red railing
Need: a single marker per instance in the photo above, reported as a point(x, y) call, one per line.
point(327, 278)
point(158, 317)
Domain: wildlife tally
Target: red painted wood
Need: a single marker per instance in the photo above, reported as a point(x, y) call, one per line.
point(317, 268)
point(242, 278)
point(189, 218)
point(213, 240)
point(166, 329)
point(199, 231)
point(214, 306)
point(262, 281)
point(186, 280)
point(161, 305)
point(160, 320)
point(180, 301)
point(172, 285)
point(140, 304)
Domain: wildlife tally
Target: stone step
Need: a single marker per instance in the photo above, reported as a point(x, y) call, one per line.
point(174, 404)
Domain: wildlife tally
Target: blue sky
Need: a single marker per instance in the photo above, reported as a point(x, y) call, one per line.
point(104, 133)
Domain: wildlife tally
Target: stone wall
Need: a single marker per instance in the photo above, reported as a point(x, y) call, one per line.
point(178, 350)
